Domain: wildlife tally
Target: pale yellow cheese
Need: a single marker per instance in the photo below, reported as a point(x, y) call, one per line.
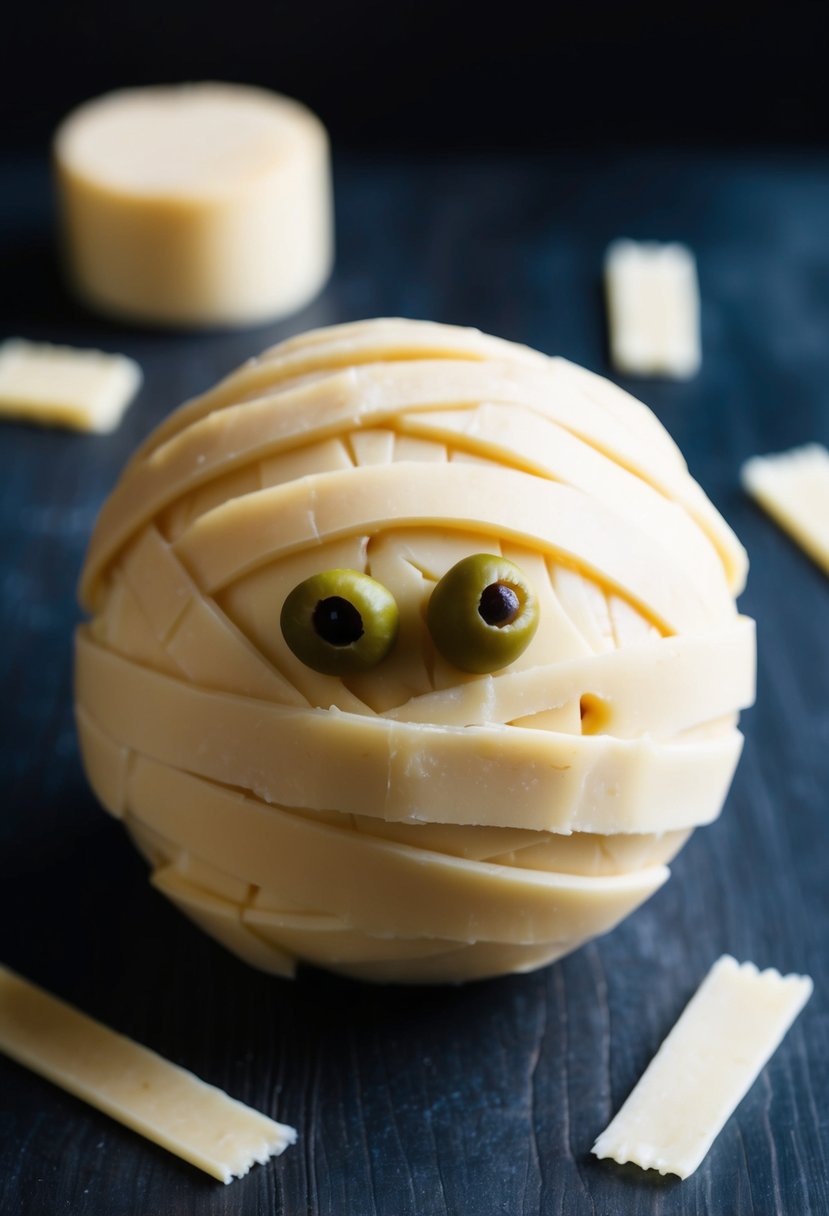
point(411, 822)
point(140, 1089)
point(794, 488)
point(653, 309)
point(726, 1035)
point(198, 204)
point(413, 772)
point(85, 390)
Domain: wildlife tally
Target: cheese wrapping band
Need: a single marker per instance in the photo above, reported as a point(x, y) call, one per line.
point(327, 939)
point(510, 776)
point(681, 681)
point(377, 885)
point(163, 1102)
point(248, 532)
point(359, 397)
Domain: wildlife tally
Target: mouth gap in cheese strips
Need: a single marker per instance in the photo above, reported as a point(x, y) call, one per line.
point(381, 887)
point(705, 1067)
point(793, 488)
point(403, 771)
point(404, 341)
point(342, 401)
point(679, 682)
point(134, 1085)
point(245, 534)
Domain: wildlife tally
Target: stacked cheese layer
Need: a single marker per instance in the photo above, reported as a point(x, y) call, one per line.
point(413, 823)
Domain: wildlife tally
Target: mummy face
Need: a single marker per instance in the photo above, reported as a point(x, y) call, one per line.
point(412, 653)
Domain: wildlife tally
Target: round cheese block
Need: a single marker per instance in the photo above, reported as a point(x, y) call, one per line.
point(195, 205)
point(384, 810)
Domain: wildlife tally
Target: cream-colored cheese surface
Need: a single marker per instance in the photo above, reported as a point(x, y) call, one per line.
point(411, 821)
point(202, 204)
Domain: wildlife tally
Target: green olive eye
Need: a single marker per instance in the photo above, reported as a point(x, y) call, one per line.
point(340, 622)
point(482, 614)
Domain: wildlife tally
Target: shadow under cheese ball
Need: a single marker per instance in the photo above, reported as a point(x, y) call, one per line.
point(413, 654)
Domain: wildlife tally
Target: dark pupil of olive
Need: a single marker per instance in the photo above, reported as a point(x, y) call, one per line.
point(337, 621)
point(499, 605)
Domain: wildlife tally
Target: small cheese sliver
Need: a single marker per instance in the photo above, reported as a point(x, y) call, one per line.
point(653, 309)
point(727, 1033)
point(140, 1089)
point(86, 390)
point(793, 487)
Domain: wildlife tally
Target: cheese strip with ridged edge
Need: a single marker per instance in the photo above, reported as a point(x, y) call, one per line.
point(377, 885)
point(85, 390)
point(727, 1033)
point(245, 533)
point(134, 1085)
point(361, 396)
point(793, 487)
point(511, 776)
point(680, 682)
point(653, 309)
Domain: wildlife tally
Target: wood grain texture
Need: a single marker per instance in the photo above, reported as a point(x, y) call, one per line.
point(484, 1099)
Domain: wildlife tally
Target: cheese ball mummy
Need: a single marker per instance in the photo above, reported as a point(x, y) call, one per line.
point(413, 654)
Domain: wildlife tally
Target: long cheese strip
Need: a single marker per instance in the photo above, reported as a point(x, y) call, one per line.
point(247, 532)
point(510, 776)
point(359, 396)
point(680, 682)
point(85, 390)
point(730, 1029)
point(793, 487)
point(653, 307)
point(350, 345)
point(377, 885)
point(140, 1089)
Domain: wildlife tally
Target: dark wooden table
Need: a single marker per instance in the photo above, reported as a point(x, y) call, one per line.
point(484, 1099)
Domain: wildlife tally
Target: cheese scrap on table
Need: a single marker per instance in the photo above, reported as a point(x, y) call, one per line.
point(85, 390)
point(729, 1030)
point(653, 309)
point(162, 1101)
point(793, 487)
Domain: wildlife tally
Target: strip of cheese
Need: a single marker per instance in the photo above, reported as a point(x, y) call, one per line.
point(653, 309)
point(728, 1032)
point(794, 488)
point(510, 776)
point(563, 522)
point(377, 885)
point(200, 204)
point(140, 1089)
point(85, 390)
point(286, 419)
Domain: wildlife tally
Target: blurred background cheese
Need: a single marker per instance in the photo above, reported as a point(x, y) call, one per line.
point(195, 205)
